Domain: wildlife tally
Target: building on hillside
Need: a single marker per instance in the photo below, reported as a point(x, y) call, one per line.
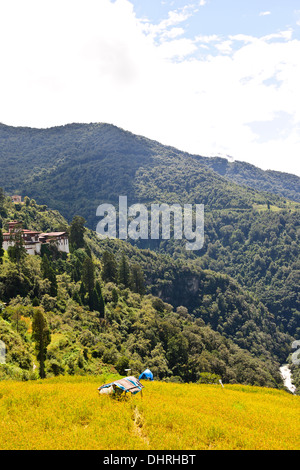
point(59, 238)
point(16, 199)
point(33, 240)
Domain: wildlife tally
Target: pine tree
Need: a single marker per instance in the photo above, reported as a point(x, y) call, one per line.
point(124, 272)
point(137, 279)
point(75, 271)
point(114, 295)
point(88, 280)
point(76, 236)
point(82, 293)
point(96, 302)
point(49, 273)
point(41, 336)
point(88, 275)
point(17, 252)
point(109, 267)
point(100, 300)
point(45, 266)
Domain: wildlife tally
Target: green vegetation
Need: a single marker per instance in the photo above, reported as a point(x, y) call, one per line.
point(260, 250)
point(242, 173)
point(41, 337)
point(101, 310)
point(75, 168)
point(242, 285)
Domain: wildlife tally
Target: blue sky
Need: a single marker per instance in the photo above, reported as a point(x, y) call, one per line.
point(226, 17)
point(212, 77)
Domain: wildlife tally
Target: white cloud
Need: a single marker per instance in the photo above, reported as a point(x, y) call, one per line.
point(173, 33)
point(287, 35)
point(207, 38)
point(179, 48)
point(264, 13)
point(67, 62)
point(175, 17)
point(224, 47)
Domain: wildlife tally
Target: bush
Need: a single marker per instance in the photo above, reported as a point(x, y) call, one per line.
point(208, 378)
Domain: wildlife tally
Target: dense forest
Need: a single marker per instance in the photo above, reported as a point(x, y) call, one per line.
point(240, 290)
point(76, 167)
point(259, 249)
point(99, 312)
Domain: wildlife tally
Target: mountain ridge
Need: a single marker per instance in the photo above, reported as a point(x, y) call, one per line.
point(229, 159)
point(76, 167)
point(135, 327)
point(220, 165)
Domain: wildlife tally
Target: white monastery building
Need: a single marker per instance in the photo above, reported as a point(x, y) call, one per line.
point(33, 240)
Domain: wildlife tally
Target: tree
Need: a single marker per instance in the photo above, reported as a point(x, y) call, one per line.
point(96, 301)
point(82, 293)
point(122, 364)
point(124, 272)
point(88, 281)
point(26, 201)
point(1, 249)
point(100, 300)
point(137, 279)
point(109, 267)
point(17, 252)
point(41, 336)
point(77, 230)
point(114, 295)
point(49, 273)
point(88, 275)
point(177, 353)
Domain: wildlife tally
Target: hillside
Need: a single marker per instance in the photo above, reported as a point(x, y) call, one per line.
point(283, 184)
point(167, 417)
point(76, 167)
point(250, 235)
point(239, 291)
point(103, 313)
point(259, 250)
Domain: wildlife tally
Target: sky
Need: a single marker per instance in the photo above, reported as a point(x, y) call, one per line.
point(210, 77)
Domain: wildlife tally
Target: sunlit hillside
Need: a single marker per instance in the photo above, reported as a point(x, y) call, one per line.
point(69, 413)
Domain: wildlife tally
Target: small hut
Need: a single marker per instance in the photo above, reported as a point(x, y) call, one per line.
point(127, 384)
point(146, 375)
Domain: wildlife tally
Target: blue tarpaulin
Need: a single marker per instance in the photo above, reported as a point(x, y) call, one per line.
point(147, 375)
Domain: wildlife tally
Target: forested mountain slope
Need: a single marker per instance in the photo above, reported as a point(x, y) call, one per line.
point(76, 167)
point(259, 249)
point(243, 283)
point(283, 184)
point(229, 334)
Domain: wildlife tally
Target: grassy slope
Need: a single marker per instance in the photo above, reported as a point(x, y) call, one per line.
point(68, 413)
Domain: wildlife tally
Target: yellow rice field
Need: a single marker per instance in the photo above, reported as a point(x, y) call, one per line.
point(68, 413)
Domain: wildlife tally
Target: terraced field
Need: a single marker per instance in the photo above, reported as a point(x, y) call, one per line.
point(67, 413)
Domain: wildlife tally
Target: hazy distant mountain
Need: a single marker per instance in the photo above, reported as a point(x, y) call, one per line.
point(283, 184)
